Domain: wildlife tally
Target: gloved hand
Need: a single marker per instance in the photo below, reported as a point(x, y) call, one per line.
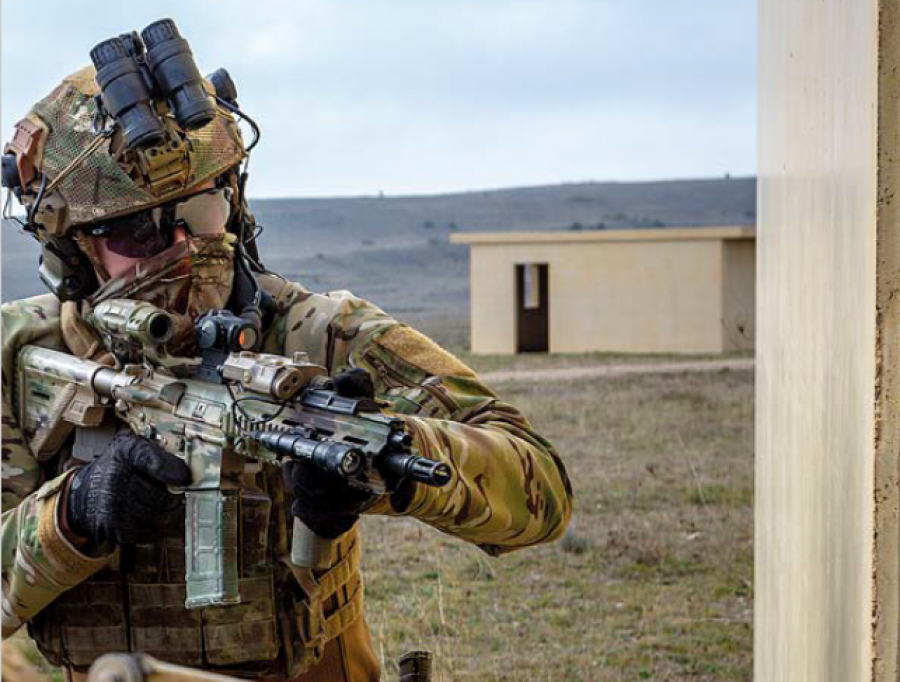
point(325, 502)
point(121, 496)
point(354, 383)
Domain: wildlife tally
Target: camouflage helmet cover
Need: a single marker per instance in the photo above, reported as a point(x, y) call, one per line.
point(102, 182)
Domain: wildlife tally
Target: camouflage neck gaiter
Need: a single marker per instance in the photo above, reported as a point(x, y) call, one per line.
point(186, 280)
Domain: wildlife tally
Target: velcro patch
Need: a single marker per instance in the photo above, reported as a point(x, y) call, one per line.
point(24, 144)
point(420, 351)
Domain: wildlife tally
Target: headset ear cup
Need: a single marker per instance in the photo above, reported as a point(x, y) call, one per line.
point(10, 177)
point(65, 271)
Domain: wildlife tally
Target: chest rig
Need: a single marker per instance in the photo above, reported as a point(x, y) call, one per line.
point(137, 603)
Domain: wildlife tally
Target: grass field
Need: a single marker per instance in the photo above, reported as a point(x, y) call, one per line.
point(653, 582)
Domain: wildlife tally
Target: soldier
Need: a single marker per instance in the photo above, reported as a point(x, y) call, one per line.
point(143, 199)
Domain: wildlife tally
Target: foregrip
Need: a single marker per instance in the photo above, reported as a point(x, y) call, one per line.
point(309, 550)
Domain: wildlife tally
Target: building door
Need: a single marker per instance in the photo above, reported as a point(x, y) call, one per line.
point(532, 308)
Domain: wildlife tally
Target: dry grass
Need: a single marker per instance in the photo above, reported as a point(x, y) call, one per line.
point(653, 581)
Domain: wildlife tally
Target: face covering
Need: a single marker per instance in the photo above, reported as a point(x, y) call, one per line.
point(186, 280)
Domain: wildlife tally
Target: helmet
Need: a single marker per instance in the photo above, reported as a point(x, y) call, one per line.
point(70, 167)
point(137, 130)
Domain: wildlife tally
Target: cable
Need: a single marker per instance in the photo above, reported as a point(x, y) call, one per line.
point(242, 181)
point(253, 261)
point(32, 212)
point(236, 407)
point(7, 211)
point(259, 229)
point(237, 112)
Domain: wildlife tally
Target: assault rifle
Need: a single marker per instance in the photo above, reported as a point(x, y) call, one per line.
point(231, 406)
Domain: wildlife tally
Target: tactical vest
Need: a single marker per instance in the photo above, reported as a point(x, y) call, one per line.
point(136, 604)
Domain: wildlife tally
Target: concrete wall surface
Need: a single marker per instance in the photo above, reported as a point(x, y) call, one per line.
point(827, 324)
point(493, 320)
point(635, 297)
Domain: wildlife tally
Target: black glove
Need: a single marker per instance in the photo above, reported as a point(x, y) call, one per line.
point(325, 502)
point(121, 496)
point(354, 383)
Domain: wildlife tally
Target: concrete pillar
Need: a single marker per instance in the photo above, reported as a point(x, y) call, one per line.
point(828, 320)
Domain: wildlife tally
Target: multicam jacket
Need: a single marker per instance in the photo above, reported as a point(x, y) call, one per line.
point(509, 489)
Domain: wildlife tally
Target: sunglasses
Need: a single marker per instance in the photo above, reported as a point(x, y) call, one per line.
point(147, 233)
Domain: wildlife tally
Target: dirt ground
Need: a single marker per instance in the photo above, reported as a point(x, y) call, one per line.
point(613, 369)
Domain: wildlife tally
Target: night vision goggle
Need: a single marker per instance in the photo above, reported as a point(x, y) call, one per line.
point(135, 70)
point(142, 78)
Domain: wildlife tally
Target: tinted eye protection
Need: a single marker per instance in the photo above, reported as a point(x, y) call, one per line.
point(206, 213)
point(145, 234)
point(139, 235)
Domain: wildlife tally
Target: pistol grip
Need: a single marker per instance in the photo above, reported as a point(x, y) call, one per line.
point(309, 550)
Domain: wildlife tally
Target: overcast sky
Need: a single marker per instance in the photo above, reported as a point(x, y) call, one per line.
point(421, 96)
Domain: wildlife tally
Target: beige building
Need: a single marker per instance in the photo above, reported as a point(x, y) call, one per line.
point(684, 290)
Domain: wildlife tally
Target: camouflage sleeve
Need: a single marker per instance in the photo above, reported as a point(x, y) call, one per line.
point(38, 563)
point(509, 489)
point(21, 472)
point(30, 321)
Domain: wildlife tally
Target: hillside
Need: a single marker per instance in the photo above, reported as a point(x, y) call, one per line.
point(395, 250)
